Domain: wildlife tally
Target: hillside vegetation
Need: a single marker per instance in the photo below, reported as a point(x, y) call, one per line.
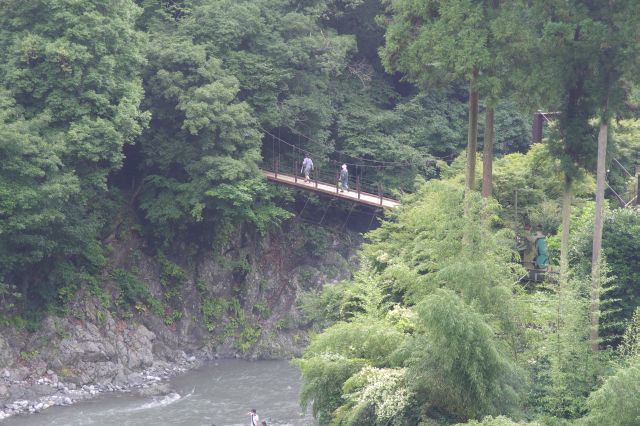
point(132, 134)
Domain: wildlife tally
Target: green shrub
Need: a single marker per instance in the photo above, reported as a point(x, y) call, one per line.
point(132, 290)
point(617, 402)
point(456, 363)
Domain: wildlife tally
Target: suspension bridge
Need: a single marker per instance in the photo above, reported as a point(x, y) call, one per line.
point(284, 167)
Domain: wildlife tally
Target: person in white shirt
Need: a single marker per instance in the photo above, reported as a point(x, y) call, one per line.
point(307, 167)
point(254, 417)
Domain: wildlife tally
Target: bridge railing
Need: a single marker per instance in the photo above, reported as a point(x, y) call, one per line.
point(362, 179)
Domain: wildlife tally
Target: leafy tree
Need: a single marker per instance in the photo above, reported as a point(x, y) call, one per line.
point(456, 365)
point(434, 42)
point(398, 296)
point(590, 48)
point(376, 396)
point(202, 147)
point(70, 75)
point(620, 247)
point(34, 189)
point(608, 405)
point(338, 353)
point(617, 402)
point(536, 180)
point(285, 62)
point(498, 421)
point(614, 34)
point(80, 65)
point(622, 158)
point(216, 77)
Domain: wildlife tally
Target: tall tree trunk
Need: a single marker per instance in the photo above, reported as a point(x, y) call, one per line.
point(598, 224)
point(472, 137)
point(567, 192)
point(566, 227)
point(487, 154)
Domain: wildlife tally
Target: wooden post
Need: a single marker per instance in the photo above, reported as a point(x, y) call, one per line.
point(279, 149)
point(536, 131)
point(358, 185)
point(277, 166)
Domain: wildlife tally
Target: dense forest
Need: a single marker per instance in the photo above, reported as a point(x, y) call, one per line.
point(157, 115)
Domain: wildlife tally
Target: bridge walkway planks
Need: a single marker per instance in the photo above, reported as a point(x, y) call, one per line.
point(328, 189)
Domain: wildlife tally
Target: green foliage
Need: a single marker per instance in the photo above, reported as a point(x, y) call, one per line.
point(69, 101)
point(375, 396)
point(323, 378)
point(537, 178)
point(447, 339)
point(498, 421)
point(211, 173)
point(589, 50)
point(625, 146)
point(8, 296)
point(248, 338)
point(28, 356)
point(621, 248)
point(213, 310)
point(345, 301)
point(226, 318)
point(362, 339)
point(617, 402)
point(171, 316)
point(316, 240)
point(561, 364)
point(171, 275)
point(630, 347)
point(423, 249)
point(434, 41)
point(131, 289)
point(334, 303)
point(456, 364)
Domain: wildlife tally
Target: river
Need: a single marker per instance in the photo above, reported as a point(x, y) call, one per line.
point(220, 393)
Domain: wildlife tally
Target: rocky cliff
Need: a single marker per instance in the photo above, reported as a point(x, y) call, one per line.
point(157, 311)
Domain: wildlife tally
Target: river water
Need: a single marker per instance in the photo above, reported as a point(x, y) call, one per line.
point(220, 394)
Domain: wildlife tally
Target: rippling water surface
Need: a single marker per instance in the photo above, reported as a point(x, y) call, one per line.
point(220, 394)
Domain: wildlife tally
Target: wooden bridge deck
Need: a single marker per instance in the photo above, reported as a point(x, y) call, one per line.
point(328, 189)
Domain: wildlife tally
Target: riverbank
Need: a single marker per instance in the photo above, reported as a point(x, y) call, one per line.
point(219, 392)
point(39, 392)
point(239, 301)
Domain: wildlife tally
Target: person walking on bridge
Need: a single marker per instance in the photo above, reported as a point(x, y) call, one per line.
point(344, 178)
point(307, 167)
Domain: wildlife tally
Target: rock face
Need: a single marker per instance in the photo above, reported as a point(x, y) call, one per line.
point(86, 352)
point(7, 355)
point(236, 301)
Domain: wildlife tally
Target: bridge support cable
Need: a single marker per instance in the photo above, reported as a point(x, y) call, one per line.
point(344, 225)
point(373, 216)
point(299, 215)
point(325, 211)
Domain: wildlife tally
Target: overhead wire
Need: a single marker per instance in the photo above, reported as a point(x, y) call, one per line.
point(377, 163)
point(299, 133)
